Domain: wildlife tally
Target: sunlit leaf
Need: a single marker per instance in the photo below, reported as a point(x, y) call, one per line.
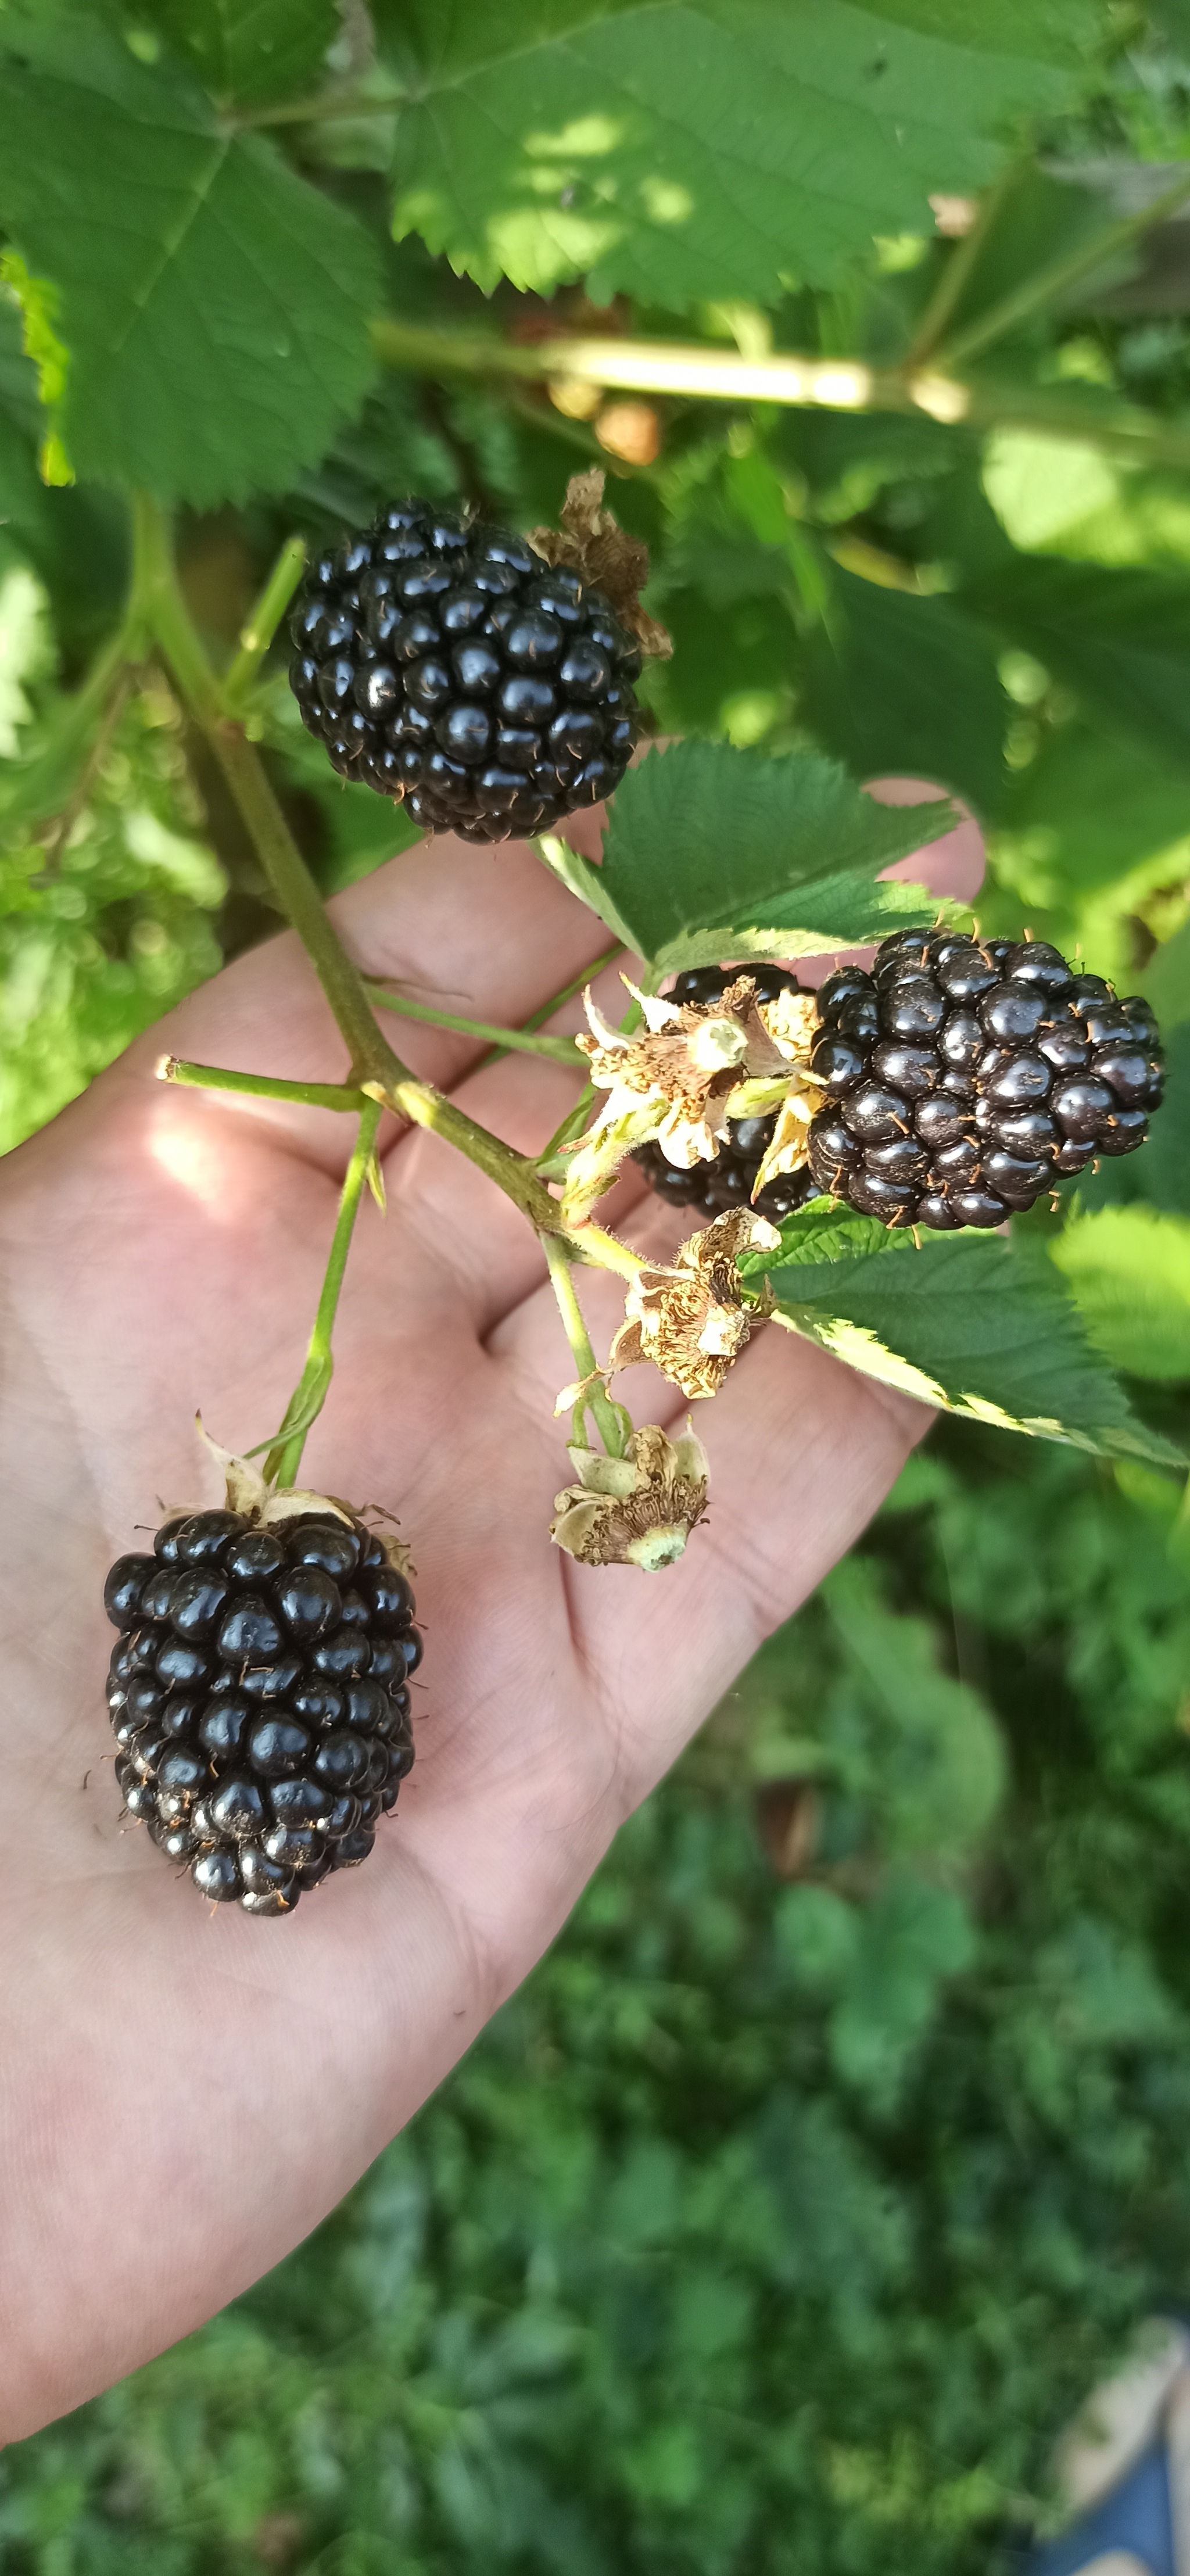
point(959, 1320)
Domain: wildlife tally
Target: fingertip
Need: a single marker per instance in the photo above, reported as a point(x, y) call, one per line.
point(952, 865)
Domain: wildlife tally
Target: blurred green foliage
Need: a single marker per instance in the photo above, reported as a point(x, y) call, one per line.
point(779, 2220)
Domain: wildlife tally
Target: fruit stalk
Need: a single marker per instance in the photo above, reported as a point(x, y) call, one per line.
point(257, 633)
point(614, 1424)
point(155, 588)
point(508, 1041)
point(310, 1394)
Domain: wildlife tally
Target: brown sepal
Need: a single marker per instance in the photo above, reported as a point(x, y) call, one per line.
point(592, 545)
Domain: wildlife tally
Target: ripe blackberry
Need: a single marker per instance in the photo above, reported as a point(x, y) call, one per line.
point(728, 1181)
point(964, 1077)
point(443, 662)
point(258, 1696)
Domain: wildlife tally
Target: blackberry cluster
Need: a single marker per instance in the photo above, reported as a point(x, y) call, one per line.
point(730, 1179)
point(964, 1077)
point(443, 662)
point(258, 1696)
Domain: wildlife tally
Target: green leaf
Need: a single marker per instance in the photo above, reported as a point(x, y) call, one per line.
point(1129, 1272)
point(1093, 829)
point(712, 853)
point(689, 151)
point(214, 306)
point(909, 684)
point(250, 51)
point(1122, 639)
point(967, 1321)
point(913, 1938)
point(1166, 979)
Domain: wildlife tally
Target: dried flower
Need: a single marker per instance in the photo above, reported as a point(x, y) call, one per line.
point(590, 541)
point(266, 1505)
point(636, 1510)
point(679, 1079)
point(690, 1318)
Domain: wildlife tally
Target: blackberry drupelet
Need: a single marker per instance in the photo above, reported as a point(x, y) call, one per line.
point(730, 1179)
point(258, 1695)
point(965, 1077)
point(443, 662)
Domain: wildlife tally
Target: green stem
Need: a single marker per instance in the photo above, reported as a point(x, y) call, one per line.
point(613, 1423)
point(833, 384)
point(292, 883)
point(260, 1086)
point(425, 1106)
point(603, 1251)
point(561, 1050)
point(330, 109)
point(280, 857)
point(257, 635)
point(546, 1010)
point(1040, 289)
point(310, 1393)
point(957, 270)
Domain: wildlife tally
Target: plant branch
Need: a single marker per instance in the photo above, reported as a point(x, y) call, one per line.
point(527, 1041)
point(260, 1086)
point(1052, 280)
point(425, 1106)
point(329, 109)
point(957, 270)
point(156, 587)
point(833, 384)
point(310, 1393)
point(35, 792)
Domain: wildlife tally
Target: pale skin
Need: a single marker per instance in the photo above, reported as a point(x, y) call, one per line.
point(185, 2091)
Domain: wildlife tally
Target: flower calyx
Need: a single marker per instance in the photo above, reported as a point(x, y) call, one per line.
point(680, 1078)
point(634, 1510)
point(591, 544)
point(690, 1318)
point(265, 1505)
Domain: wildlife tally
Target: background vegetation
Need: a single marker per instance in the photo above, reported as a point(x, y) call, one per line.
point(778, 2222)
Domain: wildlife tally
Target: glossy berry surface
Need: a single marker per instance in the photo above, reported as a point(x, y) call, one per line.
point(257, 1693)
point(442, 662)
point(730, 1179)
point(964, 1078)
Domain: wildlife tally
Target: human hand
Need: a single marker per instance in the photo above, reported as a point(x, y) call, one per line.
point(186, 2092)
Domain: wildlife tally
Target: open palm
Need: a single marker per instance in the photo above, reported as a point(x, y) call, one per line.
point(186, 2091)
